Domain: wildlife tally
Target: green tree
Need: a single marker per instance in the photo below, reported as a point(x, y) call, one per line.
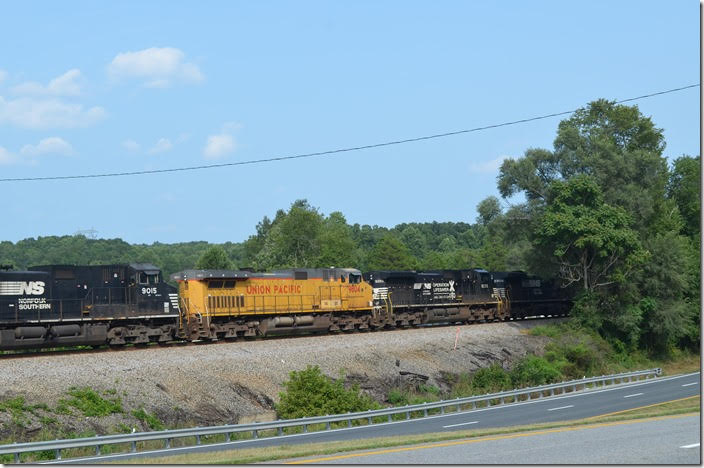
point(337, 248)
point(488, 210)
point(390, 254)
point(293, 240)
point(591, 240)
point(215, 258)
point(684, 188)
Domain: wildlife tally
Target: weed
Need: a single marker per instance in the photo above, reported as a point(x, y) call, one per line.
point(151, 420)
point(90, 403)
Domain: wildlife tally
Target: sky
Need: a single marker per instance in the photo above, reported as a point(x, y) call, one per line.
point(102, 87)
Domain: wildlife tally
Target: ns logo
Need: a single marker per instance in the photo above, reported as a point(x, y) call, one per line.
point(21, 288)
point(33, 287)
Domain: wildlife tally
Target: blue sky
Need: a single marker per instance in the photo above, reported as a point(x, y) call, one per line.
point(95, 87)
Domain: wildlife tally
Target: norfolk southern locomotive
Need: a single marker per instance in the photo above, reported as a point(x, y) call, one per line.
point(63, 305)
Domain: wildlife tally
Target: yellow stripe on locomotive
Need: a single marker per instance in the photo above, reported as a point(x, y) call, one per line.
point(225, 303)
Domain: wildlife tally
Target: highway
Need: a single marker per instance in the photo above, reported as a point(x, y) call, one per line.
point(571, 406)
point(666, 440)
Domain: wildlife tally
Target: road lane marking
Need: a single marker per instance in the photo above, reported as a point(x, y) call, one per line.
point(461, 424)
point(635, 394)
point(688, 384)
point(561, 407)
point(641, 407)
point(690, 445)
point(481, 439)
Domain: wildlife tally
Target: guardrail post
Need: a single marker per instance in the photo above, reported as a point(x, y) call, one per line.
point(442, 410)
point(574, 388)
point(327, 426)
point(255, 434)
point(57, 454)
point(503, 400)
point(305, 428)
point(168, 441)
point(425, 412)
point(198, 439)
point(474, 405)
point(369, 420)
point(458, 407)
point(133, 447)
point(408, 415)
point(97, 450)
point(280, 431)
point(349, 423)
point(17, 457)
point(389, 417)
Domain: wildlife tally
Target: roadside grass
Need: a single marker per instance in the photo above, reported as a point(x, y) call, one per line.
point(285, 451)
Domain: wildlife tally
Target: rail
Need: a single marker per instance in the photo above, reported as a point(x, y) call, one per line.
point(254, 429)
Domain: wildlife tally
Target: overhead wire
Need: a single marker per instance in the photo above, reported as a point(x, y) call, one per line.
point(328, 152)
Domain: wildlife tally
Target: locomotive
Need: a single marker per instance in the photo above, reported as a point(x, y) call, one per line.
point(63, 305)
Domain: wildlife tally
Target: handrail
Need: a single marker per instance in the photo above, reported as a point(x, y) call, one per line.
point(279, 425)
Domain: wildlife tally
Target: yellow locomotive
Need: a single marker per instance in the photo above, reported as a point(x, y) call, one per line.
point(217, 304)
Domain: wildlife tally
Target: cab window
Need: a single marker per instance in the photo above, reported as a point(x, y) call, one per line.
point(354, 279)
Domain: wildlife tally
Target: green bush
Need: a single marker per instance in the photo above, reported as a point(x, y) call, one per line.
point(533, 370)
point(310, 393)
point(397, 397)
point(490, 380)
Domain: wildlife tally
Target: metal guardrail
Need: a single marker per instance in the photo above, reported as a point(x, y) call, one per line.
point(469, 403)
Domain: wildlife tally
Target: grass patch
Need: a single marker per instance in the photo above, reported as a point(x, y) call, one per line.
point(151, 420)
point(282, 452)
point(90, 403)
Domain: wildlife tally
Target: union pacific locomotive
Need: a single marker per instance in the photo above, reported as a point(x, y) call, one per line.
point(63, 305)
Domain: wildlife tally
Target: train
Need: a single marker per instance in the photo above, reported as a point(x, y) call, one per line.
point(54, 306)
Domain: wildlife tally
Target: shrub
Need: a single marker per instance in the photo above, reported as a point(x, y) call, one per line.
point(310, 393)
point(490, 380)
point(533, 370)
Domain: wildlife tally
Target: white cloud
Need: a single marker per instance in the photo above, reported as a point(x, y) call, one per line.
point(218, 146)
point(7, 158)
point(488, 166)
point(131, 146)
point(64, 85)
point(159, 67)
point(51, 145)
point(164, 144)
point(47, 113)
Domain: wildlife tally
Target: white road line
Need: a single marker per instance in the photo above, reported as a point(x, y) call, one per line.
point(561, 407)
point(461, 424)
point(690, 445)
point(688, 384)
point(635, 394)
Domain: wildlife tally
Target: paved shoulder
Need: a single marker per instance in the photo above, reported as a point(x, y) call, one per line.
point(663, 440)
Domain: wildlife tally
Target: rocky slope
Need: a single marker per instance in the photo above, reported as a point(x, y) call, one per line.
point(232, 382)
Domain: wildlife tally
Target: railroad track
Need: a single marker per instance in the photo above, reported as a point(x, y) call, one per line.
point(81, 350)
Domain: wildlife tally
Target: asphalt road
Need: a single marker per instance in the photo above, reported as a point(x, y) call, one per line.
point(668, 440)
point(578, 405)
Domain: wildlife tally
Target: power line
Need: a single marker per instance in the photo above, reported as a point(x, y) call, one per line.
point(329, 152)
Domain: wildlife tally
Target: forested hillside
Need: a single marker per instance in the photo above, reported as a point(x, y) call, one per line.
point(602, 211)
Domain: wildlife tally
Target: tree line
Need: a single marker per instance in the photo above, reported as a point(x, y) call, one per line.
point(602, 211)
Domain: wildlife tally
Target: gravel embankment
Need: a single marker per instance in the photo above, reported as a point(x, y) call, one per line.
point(233, 381)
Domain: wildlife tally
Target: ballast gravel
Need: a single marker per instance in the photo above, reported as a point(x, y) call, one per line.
point(229, 382)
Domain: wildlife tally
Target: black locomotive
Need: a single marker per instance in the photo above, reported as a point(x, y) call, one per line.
point(60, 305)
